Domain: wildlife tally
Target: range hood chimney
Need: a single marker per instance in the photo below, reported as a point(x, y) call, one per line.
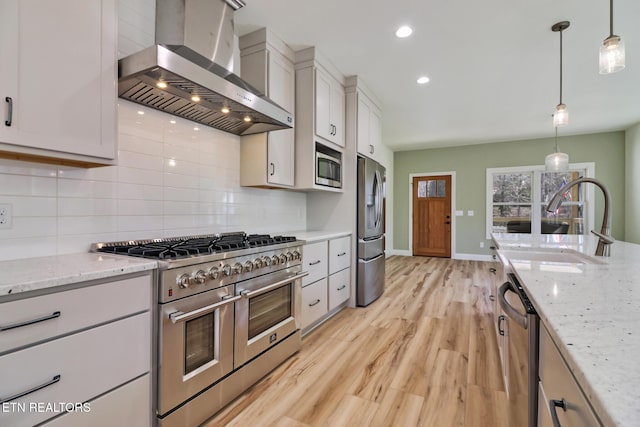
point(186, 73)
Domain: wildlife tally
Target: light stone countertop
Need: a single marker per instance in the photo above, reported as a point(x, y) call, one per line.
point(592, 312)
point(31, 274)
point(317, 236)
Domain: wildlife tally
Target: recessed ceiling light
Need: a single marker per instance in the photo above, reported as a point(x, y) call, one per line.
point(196, 128)
point(141, 112)
point(422, 80)
point(173, 122)
point(403, 32)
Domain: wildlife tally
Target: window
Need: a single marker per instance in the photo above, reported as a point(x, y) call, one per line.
point(517, 198)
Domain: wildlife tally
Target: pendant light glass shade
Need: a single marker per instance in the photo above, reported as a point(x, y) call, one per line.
point(612, 55)
point(561, 116)
point(556, 162)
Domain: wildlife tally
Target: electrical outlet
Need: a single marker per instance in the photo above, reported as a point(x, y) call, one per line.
point(6, 215)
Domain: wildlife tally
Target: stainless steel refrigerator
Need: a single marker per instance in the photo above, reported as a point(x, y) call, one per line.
point(371, 213)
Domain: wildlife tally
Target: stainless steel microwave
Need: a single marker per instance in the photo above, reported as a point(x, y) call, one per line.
point(328, 169)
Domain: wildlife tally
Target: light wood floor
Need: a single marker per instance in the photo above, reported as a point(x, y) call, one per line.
point(424, 354)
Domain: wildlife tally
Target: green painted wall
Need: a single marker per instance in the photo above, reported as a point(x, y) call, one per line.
point(632, 190)
point(470, 162)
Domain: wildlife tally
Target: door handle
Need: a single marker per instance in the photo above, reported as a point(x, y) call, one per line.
point(553, 404)
point(9, 101)
point(447, 222)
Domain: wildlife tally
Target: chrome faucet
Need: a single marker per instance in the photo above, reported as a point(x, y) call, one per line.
point(604, 236)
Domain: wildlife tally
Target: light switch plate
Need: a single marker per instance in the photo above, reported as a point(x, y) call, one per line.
point(459, 213)
point(6, 216)
point(470, 213)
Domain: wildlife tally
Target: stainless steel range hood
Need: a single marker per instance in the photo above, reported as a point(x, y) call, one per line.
point(185, 73)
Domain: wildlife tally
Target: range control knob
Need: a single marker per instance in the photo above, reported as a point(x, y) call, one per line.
point(248, 266)
point(199, 277)
point(289, 256)
point(214, 273)
point(257, 263)
point(266, 260)
point(183, 281)
point(275, 260)
point(283, 258)
point(226, 269)
point(237, 268)
point(296, 255)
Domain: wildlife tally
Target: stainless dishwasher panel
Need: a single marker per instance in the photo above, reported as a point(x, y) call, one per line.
point(371, 273)
point(523, 345)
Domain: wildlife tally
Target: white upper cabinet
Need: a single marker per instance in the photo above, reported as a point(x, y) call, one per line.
point(268, 160)
point(329, 103)
point(368, 119)
point(58, 85)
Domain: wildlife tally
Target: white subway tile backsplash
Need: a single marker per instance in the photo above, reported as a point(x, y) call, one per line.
point(148, 195)
point(73, 207)
point(25, 185)
point(71, 225)
point(87, 189)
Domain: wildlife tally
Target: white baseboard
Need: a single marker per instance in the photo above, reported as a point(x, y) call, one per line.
point(473, 257)
point(400, 252)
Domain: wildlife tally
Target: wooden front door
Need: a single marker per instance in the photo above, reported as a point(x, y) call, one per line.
point(432, 216)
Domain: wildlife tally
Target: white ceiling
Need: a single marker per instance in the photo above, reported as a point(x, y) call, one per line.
point(493, 64)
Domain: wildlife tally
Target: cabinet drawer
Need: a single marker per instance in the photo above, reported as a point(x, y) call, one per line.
point(314, 260)
point(314, 302)
point(72, 310)
point(129, 405)
point(557, 383)
point(88, 364)
point(339, 254)
point(339, 288)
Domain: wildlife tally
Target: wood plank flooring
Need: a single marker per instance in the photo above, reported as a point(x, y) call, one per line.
point(423, 354)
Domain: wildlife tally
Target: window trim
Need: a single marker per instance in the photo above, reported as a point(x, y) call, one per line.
point(536, 171)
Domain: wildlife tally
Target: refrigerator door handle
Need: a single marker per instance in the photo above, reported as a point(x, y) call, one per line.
point(367, 261)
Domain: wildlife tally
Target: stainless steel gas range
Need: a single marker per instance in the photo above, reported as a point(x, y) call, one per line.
point(228, 313)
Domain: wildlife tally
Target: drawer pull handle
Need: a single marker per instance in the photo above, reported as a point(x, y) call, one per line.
point(9, 102)
point(342, 254)
point(341, 287)
point(315, 262)
point(30, 322)
point(36, 388)
point(492, 298)
point(492, 270)
point(316, 302)
point(553, 404)
point(501, 318)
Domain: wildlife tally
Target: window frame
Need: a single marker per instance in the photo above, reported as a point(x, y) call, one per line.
point(536, 194)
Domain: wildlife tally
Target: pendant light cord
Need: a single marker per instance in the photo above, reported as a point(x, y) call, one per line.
point(561, 67)
point(556, 150)
point(610, 18)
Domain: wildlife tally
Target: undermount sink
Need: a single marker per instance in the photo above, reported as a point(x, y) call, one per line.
point(551, 255)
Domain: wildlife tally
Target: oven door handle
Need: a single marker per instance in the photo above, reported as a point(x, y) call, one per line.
point(179, 316)
point(248, 294)
point(515, 315)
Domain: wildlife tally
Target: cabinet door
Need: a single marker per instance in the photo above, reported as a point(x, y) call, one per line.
point(375, 132)
point(339, 288)
point(324, 127)
point(59, 68)
point(314, 302)
point(337, 113)
point(280, 148)
point(363, 127)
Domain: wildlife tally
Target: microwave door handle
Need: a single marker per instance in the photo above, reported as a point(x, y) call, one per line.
point(515, 315)
point(179, 316)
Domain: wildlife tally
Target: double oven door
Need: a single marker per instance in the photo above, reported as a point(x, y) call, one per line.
point(195, 343)
point(267, 312)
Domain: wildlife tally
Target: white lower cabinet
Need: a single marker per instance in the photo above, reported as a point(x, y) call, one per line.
point(327, 287)
point(127, 405)
point(339, 288)
point(63, 352)
point(314, 302)
point(558, 384)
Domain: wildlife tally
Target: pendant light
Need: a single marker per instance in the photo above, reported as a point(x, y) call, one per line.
point(556, 162)
point(612, 49)
point(559, 162)
point(561, 116)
